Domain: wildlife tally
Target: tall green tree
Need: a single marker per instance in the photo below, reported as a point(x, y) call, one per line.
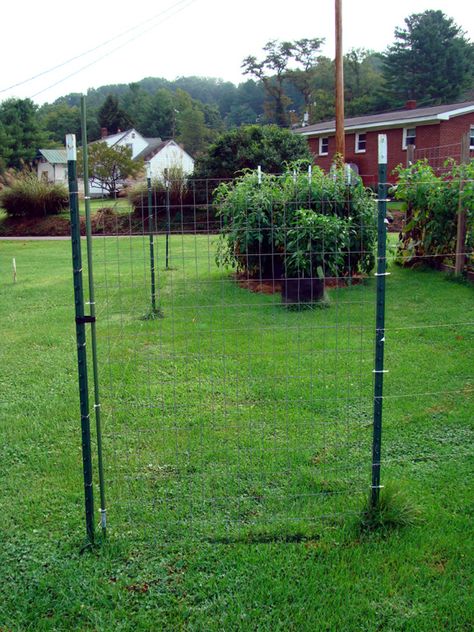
point(22, 134)
point(110, 166)
point(306, 53)
point(112, 117)
point(158, 117)
point(271, 71)
point(430, 61)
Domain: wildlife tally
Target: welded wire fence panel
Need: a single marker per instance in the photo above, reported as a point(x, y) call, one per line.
point(232, 407)
point(245, 404)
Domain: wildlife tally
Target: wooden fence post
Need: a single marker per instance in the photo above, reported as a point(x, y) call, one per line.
point(461, 229)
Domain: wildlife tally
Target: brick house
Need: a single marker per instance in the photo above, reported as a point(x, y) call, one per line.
point(435, 131)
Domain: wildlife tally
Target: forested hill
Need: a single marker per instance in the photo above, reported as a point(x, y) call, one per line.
point(430, 61)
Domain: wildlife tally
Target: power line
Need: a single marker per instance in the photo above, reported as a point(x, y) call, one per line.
point(186, 3)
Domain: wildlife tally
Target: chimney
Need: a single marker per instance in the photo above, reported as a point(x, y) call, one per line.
point(104, 132)
point(410, 105)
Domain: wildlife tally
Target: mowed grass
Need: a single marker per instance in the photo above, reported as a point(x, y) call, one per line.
point(237, 448)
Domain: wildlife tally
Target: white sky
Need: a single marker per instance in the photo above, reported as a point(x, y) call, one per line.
point(196, 37)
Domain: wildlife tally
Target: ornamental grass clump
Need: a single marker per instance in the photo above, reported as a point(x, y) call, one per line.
point(28, 196)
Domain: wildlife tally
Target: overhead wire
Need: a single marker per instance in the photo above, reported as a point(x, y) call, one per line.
point(185, 4)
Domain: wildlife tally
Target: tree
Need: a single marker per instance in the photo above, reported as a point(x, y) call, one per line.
point(305, 52)
point(272, 72)
point(110, 166)
point(431, 60)
point(363, 79)
point(249, 146)
point(112, 117)
point(22, 134)
point(159, 115)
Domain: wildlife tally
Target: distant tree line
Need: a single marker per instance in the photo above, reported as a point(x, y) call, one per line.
point(430, 60)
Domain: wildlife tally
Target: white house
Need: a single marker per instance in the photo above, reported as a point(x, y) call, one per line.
point(162, 155)
point(52, 165)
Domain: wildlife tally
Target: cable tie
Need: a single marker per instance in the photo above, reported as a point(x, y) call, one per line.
point(382, 274)
point(87, 197)
point(377, 486)
point(383, 371)
point(384, 200)
point(97, 406)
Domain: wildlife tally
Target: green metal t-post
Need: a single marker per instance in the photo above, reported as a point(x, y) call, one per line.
point(380, 319)
point(80, 333)
point(151, 230)
point(90, 274)
point(168, 222)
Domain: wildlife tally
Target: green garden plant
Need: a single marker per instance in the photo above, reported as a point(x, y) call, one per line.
point(263, 222)
point(432, 204)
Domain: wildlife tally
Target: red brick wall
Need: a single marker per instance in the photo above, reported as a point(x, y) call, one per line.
point(427, 137)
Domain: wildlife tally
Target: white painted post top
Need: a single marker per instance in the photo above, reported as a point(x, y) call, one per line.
point(71, 152)
point(382, 149)
point(148, 169)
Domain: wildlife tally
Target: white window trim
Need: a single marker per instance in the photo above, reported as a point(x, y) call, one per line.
point(321, 152)
point(471, 137)
point(404, 141)
point(356, 149)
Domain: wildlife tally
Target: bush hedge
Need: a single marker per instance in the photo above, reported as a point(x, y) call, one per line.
point(28, 196)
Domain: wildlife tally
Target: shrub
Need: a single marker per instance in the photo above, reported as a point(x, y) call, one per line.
point(432, 204)
point(249, 146)
point(138, 194)
point(27, 196)
point(263, 224)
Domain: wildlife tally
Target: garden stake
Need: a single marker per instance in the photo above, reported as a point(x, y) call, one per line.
point(90, 273)
point(380, 319)
point(81, 319)
point(168, 221)
point(151, 230)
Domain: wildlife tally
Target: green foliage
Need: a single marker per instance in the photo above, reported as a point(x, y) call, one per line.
point(112, 117)
point(432, 205)
point(296, 223)
point(394, 510)
point(109, 167)
point(315, 245)
point(28, 196)
point(249, 146)
point(431, 60)
point(20, 132)
point(175, 183)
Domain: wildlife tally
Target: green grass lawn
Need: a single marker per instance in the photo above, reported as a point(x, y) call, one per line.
point(237, 447)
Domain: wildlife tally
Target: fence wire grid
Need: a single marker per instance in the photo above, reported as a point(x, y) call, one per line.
point(233, 403)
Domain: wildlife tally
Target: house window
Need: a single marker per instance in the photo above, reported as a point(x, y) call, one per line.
point(360, 143)
point(409, 136)
point(471, 136)
point(323, 146)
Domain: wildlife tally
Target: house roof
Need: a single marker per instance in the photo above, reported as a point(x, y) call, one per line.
point(395, 118)
point(54, 156)
point(155, 145)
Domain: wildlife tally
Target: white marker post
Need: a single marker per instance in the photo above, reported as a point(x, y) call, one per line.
point(14, 270)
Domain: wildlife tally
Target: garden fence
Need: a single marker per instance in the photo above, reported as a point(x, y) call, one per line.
point(238, 362)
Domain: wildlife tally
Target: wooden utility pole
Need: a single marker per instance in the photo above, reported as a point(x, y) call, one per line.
point(461, 228)
point(340, 140)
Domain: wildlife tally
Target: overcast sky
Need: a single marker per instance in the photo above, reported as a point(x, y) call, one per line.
point(178, 38)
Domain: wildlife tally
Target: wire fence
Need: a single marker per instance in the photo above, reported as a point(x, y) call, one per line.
point(237, 361)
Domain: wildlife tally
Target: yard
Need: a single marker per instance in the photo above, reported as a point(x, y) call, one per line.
point(237, 449)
